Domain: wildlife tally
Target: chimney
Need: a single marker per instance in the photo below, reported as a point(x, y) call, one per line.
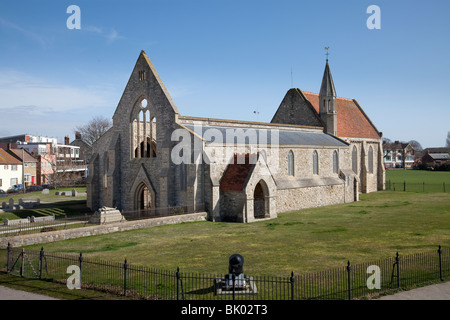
point(66, 140)
point(77, 135)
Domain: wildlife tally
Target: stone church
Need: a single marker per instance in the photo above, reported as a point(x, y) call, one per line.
point(319, 149)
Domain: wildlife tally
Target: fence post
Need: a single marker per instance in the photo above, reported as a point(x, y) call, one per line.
point(404, 186)
point(8, 257)
point(80, 259)
point(41, 258)
point(397, 261)
point(178, 283)
point(292, 285)
point(125, 265)
point(233, 277)
point(440, 263)
point(21, 264)
point(444, 186)
point(349, 281)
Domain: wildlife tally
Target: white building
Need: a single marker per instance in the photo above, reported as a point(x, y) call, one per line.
point(11, 170)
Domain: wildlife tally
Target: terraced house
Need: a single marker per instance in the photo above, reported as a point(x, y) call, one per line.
point(11, 170)
point(319, 149)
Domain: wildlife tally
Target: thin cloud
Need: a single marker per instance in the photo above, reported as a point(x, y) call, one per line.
point(110, 36)
point(29, 34)
point(37, 96)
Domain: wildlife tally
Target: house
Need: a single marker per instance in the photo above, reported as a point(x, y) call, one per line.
point(11, 170)
point(398, 155)
point(85, 149)
point(435, 157)
point(58, 162)
point(30, 165)
point(319, 149)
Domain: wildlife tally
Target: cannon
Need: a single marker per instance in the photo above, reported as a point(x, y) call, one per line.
point(235, 273)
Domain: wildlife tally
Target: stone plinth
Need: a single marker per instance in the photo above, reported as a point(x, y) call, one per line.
point(107, 215)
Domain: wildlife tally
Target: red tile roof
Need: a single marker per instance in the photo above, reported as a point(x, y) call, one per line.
point(236, 175)
point(7, 159)
point(352, 122)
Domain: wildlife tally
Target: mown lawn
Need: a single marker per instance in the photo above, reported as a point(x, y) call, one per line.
point(418, 176)
point(376, 227)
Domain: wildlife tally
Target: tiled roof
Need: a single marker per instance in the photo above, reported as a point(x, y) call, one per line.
point(236, 175)
point(7, 159)
point(28, 156)
point(352, 122)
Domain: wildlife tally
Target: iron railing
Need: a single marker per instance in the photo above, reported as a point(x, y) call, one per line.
point(24, 226)
point(406, 186)
point(141, 282)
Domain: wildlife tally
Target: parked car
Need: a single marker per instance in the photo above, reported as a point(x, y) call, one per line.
point(47, 186)
point(34, 188)
point(15, 188)
point(2, 193)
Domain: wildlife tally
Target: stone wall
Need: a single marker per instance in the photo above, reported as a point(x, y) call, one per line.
point(44, 237)
point(310, 197)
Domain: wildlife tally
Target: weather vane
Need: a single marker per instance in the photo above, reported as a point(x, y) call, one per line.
point(326, 48)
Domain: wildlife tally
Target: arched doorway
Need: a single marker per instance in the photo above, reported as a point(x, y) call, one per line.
point(144, 199)
point(259, 201)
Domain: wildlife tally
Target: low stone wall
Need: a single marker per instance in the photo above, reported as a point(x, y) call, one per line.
point(44, 237)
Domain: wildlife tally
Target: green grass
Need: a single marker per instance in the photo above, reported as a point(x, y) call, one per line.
point(376, 227)
point(418, 180)
point(418, 176)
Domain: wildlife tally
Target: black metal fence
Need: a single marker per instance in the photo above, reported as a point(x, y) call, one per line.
point(140, 282)
point(417, 186)
point(24, 226)
point(20, 227)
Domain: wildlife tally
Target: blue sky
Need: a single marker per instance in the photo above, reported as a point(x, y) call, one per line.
point(225, 59)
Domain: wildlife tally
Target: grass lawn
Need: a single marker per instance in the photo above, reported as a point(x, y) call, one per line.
point(418, 176)
point(376, 227)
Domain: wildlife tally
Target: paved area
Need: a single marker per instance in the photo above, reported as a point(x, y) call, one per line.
point(440, 291)
point(13, 294)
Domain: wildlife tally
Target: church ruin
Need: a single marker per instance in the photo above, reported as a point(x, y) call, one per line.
point(319, 149)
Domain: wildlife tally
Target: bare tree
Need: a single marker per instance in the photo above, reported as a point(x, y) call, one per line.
point(94, 129)
point(447, 144)
point(416, 145)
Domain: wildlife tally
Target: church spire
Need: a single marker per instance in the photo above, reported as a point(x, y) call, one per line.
point(327, 88)
point(327, 102)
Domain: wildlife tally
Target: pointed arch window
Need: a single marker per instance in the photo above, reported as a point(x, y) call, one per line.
point(335, 162)
point(355, 160)
point(143, 126)
point(315, 162)
point(290, 163)
point(370, 156)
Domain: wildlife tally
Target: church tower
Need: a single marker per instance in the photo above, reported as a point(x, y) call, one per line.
point(327, 102)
